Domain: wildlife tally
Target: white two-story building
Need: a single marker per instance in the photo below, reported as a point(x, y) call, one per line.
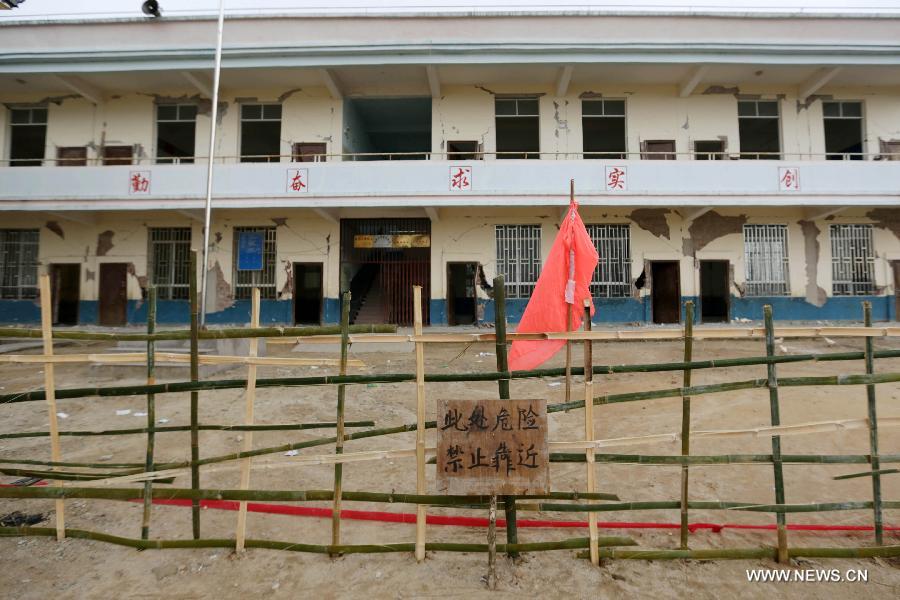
point(735, 160)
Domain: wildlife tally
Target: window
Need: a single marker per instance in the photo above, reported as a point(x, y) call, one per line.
point(518, 128)
point(612, 277)
point(18, 264)
point(519, 258)
point(463, 150)
point(603, 128)
point(766, 260)
point(176, 128)
point(658, 150)
point(309, 152)
point(852, 260)
point(245, 281)
point(709, 150)
point(170, 262)
point(843, 130)
point(117, 155)
point(758, 129)
point(260, 132)
point(71, 156)
point(27, 136)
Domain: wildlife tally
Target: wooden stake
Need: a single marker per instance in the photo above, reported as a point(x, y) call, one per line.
point(873, 430)
point(195, 395)
point(492, 544)
point(50, 387)
point(420, 422)
point(569, 319)
point(589, 431)
point(686, 418)
point(772, 383)
point(151, 411)
point(249, 400)
point(339, 433)
point(501, 350)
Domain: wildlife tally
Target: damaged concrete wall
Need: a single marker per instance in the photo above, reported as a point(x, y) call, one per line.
point(463, 113)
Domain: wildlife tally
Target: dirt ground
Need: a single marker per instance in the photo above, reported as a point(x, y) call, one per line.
point(41, 567)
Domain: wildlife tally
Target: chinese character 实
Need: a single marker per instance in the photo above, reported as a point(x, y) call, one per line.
point(454, 459)
point(528, 418)
point(502, 455)
point(453, 418)
point(297, 184)
point(615, 179)
point(503, 418)
point(527, 458)
point(139, 184)
point(478, 420)
point(477, 459)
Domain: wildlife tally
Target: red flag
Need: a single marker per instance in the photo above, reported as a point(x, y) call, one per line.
point(565, 280)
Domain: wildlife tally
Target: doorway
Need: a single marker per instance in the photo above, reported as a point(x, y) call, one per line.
point(65, 286)
point(461, 293)
point(113, 293)
point(307, 293)
point(665, 291)
point(714, 283)
point(896, 265)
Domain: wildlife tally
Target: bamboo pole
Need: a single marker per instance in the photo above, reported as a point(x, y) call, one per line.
point(339, 433)
point(195, 394)
point(177, 358)
point(420, 423)
point(501, 350)
point(686, 418)
point(151, 411)
point(50, 387)
point(569, 309)
point(492, 544)
point(202, 427)
point(206, 334)
point(589, 433)
point(776, 439)
point(872, 406)
point(249, 401)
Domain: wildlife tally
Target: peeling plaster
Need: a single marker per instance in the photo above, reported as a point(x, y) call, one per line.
point(204, 105)
point(218, 235)
point(104, 242)
point(886, 218)
point(484, 89)
point(55, 227)
point(280, 221)
point(223, 298)
point(814, 293)
point(287, 291)
point(89, 275)
point(708, 227)
point(288, 94)
point(652, 220)
point(720, 89)
point(589, 94)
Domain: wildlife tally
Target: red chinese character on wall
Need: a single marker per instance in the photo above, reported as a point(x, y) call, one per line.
point(297, 181)
point(460, 178)
point(615, 179)
point(139, 182)
point(789, 179)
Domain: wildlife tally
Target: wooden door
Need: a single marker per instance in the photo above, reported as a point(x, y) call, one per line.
point(113, 294)
point(665, 292)
point(117, 155)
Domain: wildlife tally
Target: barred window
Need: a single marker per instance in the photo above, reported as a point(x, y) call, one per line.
point(18, 263)
point(245, 281)
point(519, 258)
point(852, 260)
point(766, 265)
point(612, 277)
point(170, 262)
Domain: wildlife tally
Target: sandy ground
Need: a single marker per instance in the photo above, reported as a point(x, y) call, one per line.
point(41, 567)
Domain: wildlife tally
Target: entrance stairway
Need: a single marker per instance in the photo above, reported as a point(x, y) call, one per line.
point(366, 298)
point(371, 312)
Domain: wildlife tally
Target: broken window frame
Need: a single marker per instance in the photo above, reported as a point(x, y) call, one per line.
point(760, 155)
point(309, 151)
point(852, 259)
point(245, 281)
point(36, 117)
point(612, 277)
point(454, 153)
point(263, 118)
point(19, 263)
point(518, 258)
point(766, 260)
point(700, 154)
point(519, 112)
point(109, 158)
point(841, 117)
point(186, 118)
point(71, 156)
point(605, 114)
point(648, 154)
point(169, 261)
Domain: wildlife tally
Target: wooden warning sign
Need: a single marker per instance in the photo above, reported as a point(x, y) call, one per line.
point(488, 447)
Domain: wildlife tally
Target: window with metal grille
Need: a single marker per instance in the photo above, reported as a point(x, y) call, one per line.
point(176, 127)
point(766, 266)
point(245, 281)
point(612, 277)
point(519, 258)
point(852, 260)
point(27, 136)
point(18, 263)
point(170, 262)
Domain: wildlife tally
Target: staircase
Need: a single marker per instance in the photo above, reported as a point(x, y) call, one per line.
point(371, 311)
point(366, 299)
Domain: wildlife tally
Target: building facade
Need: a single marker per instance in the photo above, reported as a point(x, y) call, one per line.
point(733, 160)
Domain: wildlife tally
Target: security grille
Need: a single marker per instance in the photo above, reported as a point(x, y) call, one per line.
point(852, 260)
point(519, 258)
point(766, 266)
point(245, 281)
point(18, 263)
point(170, 262)
point(612, 277)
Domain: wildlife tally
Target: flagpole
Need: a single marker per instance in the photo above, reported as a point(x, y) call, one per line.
point(569, 317)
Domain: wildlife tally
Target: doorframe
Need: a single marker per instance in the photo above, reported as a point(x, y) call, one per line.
point(678, 296)
point(51, 268)
point(728, 268)
point(321, 266)
point(474, 297)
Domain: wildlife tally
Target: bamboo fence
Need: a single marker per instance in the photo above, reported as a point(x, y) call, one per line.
point(126, 481)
